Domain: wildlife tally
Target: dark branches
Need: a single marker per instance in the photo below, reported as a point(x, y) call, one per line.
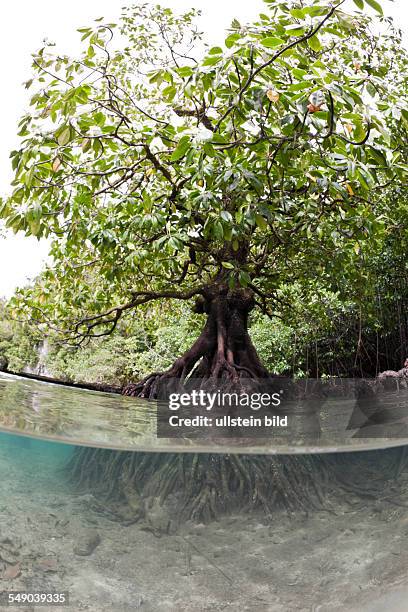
point(85, 327)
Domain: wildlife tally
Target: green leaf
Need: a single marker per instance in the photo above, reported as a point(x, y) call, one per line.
point(261, 222)
point(244, 278)
point(227, 265)
point(295, 30)
point(314, 43)
point(86, 144)
point(314, 11)
point(271, 42)
point(169, 92)
point(211, 60)
point(376, 6)
point(404, 113)
point(359, 3)
point(228, 233)
point(231, 40)
point(218, 230)
point(298, 13)
point(184, 71)
point(175, 243)
point(64, 137)
point(181, 149)
point(209, 149)
point(300, 86)
point(28, 177)
point(35, 225)
point(378, 157)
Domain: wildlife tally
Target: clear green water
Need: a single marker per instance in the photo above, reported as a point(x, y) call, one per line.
point(54, 538)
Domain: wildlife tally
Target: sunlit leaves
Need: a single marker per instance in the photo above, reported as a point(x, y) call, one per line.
point(375, 5)
point(86, 144)
point(272, 95)
point(184, 71)
point(56, 164)
point(271, 42)
point(314, 43)
point(212, 60)
point(63, 135)
point(181, 149)
point(298, 13)
point(232, 39)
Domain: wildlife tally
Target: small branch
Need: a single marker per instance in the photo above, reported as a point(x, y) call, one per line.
point(254, 73)
point(165, 172)
point(357, 144)
point(199, 114)
point(331, 111)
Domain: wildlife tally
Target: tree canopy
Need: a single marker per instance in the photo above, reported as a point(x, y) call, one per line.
point(159, 165)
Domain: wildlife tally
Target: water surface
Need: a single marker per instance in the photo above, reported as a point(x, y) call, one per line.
point(91, 418)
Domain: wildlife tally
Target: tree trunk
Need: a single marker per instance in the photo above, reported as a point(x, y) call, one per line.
point(223, 352)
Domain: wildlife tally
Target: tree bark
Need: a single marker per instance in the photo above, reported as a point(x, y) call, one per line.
point(223, 352)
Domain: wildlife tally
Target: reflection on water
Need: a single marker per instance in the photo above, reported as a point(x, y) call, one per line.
point(356, 418)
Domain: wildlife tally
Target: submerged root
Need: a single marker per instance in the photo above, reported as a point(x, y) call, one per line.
point(204, 486)
point(371, 474)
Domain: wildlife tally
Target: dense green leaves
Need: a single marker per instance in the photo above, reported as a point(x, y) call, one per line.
point(260, 162)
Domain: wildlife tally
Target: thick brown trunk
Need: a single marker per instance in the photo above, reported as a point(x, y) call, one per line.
point(223, 351)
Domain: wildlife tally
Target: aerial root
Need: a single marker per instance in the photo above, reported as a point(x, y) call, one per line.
point(145, 388)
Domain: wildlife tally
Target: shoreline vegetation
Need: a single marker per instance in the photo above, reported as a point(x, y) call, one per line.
point(320, 342)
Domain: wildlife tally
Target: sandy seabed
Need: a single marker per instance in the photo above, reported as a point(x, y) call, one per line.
point(352, 558)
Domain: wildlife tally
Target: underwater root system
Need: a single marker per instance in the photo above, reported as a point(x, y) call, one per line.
point(204, 486)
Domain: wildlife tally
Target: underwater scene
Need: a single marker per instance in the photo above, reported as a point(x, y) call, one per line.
point(186, 530)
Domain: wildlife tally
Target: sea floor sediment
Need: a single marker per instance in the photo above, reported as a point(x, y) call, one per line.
point(351, 556)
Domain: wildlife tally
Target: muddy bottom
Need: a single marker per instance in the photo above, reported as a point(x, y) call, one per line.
point(351, 558)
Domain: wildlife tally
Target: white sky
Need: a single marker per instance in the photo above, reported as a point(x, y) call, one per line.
point(25, 25)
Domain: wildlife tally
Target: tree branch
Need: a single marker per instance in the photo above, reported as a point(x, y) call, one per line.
point(113, 315)
point(273, 59)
